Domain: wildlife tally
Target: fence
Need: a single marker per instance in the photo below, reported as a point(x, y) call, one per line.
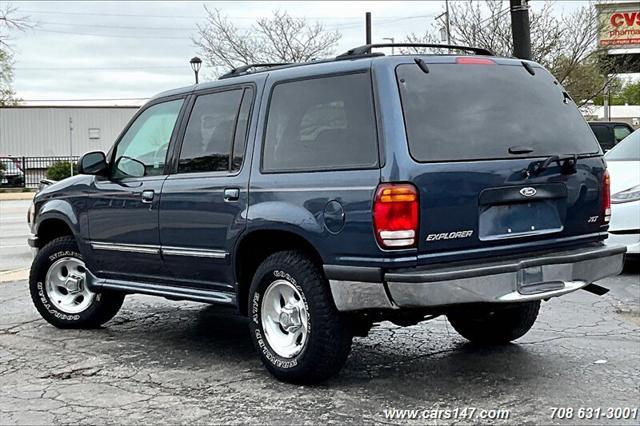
point(26, 172)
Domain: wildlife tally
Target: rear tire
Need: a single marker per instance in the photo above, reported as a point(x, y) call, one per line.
point(300, 335)
point(496, 324)
point(58, 289)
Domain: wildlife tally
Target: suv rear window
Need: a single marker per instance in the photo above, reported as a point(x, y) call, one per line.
point(474, 112)
point(324, 123)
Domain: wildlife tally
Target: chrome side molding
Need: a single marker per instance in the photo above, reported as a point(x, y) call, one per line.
point(153, 249)
point(184, 251)
point(131, 248)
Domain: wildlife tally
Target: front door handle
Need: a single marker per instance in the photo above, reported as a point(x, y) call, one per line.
point(147, 195)
point(232, 194)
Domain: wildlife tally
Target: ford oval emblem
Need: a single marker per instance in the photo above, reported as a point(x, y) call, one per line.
point(528, 192)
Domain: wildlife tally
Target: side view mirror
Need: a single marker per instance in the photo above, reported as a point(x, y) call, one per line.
point(92, 163)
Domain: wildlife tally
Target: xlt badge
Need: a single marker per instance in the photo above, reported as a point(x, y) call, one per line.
point(449, 235)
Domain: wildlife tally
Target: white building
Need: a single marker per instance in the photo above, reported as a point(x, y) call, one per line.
point(628, 113)
point(48, 129)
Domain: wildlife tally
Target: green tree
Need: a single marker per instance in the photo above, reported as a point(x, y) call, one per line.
point(7, 95)
point(631, 93)
point(60, 170)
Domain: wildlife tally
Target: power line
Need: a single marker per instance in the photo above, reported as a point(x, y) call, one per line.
point(338, 26)
point(132, 27)
point(186, 66)
point(112, 35)
point(142, 15)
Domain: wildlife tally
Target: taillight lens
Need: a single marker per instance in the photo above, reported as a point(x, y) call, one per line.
point(395, 215)
point(606, 197)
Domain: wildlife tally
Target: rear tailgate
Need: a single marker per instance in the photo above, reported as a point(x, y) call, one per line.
point(504, 161)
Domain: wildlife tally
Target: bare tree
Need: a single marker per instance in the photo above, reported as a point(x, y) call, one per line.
point(9, 20)
point(566, 44)
point(279, 38)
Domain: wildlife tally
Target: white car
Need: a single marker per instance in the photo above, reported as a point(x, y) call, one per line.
point(623, 162)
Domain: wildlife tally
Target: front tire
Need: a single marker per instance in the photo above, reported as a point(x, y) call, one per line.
point(58, 288)
point(496, 324)
point(300, 335)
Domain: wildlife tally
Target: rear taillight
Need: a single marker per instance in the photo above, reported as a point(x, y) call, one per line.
point(606, 197)
point(395, 215)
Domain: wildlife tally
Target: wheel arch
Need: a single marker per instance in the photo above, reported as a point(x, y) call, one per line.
point(55, 218)
point(52, 228)
point(256, 246)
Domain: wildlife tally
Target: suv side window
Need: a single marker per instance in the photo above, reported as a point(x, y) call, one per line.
point(321, 124)
point(621, 132)
point(142, 151)
point(217, 128)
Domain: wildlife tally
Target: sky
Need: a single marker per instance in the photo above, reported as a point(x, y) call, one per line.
point(121, 50)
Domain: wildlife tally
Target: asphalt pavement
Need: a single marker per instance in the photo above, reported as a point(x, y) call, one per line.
point(169, 362)
point(15, 254)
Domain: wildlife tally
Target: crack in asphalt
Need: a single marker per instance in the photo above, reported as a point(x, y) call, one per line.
point(166, 362)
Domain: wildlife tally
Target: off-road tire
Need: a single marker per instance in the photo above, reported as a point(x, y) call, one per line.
point(496, 324)
point(329, 337)
point(104, 306)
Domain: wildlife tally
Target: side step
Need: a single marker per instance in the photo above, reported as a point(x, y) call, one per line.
point(170, 292)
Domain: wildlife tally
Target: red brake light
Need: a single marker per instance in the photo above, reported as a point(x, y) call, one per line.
point(471, 60)
point(395, 215)
point(606, 197)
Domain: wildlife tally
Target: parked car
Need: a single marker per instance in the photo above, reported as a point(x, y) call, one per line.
point(11, 173)
point(609, 133)
point(623, 162)
point(321, 198)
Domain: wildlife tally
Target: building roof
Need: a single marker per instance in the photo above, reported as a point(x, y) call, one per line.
point(617, 111)
point(82, 103)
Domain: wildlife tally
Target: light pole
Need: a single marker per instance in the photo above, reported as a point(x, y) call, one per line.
point(392, 40)
point(196, 63)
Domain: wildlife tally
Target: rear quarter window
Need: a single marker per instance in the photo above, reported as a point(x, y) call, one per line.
point(324, 123)
point(474, 112)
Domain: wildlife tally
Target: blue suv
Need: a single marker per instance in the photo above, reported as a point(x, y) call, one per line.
point(321, 198)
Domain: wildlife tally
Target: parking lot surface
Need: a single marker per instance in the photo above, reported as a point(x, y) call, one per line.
point(177, 362)
point(15, 254)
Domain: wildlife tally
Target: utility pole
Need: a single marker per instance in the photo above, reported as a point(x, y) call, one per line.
point(447, 27)
point(367, 25)
point(446, 21)
point(605, 98)
point(520, 28)
point(71, 145)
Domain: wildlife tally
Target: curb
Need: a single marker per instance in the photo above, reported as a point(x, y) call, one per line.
point(12, 196)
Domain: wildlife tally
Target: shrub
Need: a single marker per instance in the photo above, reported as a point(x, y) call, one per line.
point(60, 170)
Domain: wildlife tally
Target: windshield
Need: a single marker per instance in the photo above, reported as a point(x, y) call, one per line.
point(627, 150)
point(474, 112)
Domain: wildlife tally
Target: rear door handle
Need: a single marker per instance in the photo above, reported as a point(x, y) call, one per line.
point(147, 195)
point(232, 194)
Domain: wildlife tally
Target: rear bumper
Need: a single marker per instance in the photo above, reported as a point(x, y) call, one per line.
point(513, 280)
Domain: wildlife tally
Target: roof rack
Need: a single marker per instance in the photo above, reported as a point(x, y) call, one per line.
point(244, 69)
point(363, 50)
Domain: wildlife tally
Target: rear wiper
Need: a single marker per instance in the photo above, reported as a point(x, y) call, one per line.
point(567, 164)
